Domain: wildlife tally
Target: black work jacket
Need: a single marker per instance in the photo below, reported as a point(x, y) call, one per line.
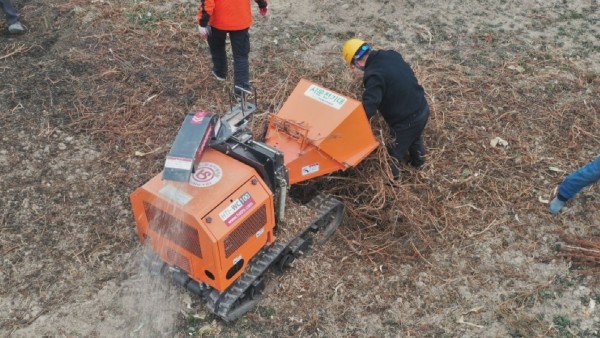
point(392, 88)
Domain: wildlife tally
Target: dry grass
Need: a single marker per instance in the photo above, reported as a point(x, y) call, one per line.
point(127, 85)
point(459, 195)
point(583, 252)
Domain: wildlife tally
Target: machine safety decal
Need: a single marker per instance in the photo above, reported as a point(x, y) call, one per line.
point(237, 209)
point(207, 137)
point(325, 96)
point(260, 232)
point(178, 163)
point(207, 174)
point(311, 168)
point(175, 194)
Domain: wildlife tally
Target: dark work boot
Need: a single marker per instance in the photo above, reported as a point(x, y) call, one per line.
point(418, 164)
point(417, 160)
point(217, 76)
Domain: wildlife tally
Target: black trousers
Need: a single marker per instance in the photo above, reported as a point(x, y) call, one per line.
point(240, 47)
point(408, 138)
point(9, 11)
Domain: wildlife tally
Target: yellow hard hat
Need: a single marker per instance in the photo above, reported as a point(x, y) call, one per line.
point(351, 47)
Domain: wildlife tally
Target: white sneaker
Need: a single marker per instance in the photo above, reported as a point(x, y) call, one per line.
point(16, 28)
point(217, 76)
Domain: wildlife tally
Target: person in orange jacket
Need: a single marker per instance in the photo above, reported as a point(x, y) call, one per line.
point(216, 19)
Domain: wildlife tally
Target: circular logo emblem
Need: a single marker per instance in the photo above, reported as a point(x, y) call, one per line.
point(207, 174)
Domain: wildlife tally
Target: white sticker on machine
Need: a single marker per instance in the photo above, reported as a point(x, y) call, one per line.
point(207, 174)
point(325, 96)
point(237, 259)
point(237, 209)
point(178, 163)
point(311, 168)
point(175, 194)
point(260, 232)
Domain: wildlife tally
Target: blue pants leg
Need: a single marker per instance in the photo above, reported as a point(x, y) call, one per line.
point(216, 43)
point(10, 11)
point(240, 47)
point(580, 179)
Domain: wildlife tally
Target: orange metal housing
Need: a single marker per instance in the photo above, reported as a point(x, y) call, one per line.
point(319, 132)
point(210, 227)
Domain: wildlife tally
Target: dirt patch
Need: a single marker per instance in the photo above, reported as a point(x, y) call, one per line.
point(93, 94)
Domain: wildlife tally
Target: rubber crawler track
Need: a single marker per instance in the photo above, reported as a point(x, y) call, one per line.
point(235, 301)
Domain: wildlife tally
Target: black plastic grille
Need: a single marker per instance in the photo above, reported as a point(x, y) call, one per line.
point(246, 230)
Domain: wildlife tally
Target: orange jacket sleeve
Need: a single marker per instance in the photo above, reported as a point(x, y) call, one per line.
point(205, 11)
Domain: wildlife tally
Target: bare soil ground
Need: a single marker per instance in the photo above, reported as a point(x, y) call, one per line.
point(92, 96)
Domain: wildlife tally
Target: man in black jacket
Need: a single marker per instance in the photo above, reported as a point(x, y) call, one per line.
point(392, 89)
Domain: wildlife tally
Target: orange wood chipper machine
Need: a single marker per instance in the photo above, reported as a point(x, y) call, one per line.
point(210, 220)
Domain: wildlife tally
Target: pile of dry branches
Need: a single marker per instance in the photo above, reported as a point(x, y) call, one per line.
point(583, 252)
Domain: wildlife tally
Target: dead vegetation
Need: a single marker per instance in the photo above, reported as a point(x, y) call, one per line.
point(123, 77)
point(583, 252)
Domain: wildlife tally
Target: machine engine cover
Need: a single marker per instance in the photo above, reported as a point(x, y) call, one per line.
point(210, 226)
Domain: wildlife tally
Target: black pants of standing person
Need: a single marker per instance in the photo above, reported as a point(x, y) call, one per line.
point(9, 11)
point(240, 47)
point(409, 140)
